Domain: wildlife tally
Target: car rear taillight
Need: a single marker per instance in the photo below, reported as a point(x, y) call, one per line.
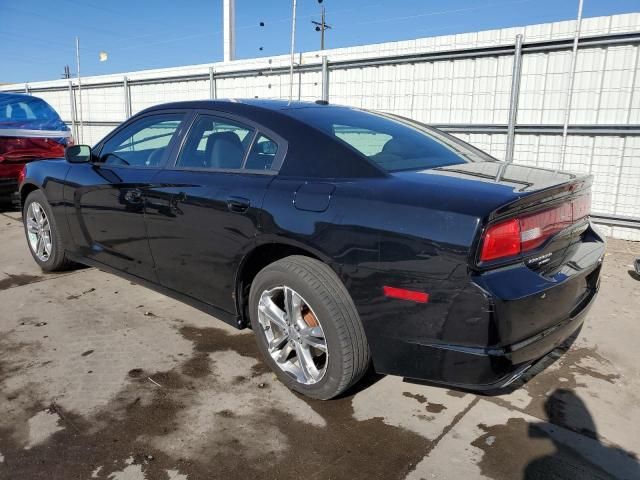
point(501, 240)
point(518, 235)
point(25, 149)
point(22, 174)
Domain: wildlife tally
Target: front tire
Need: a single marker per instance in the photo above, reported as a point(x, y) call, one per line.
point(43, 235)
point(307, 327)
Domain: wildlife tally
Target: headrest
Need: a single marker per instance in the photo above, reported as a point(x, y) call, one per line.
point(224, 150)
point(396, 146)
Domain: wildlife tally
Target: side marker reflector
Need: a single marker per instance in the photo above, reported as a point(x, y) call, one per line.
point(402, 294)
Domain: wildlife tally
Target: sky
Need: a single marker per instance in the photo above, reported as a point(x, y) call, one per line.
point(37, 37)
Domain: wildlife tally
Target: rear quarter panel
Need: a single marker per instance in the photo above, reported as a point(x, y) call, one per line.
point(395, 235)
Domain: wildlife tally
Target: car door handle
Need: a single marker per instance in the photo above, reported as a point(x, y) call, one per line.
point(238, 204)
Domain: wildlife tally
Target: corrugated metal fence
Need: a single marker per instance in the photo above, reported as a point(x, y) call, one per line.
point(461, 83)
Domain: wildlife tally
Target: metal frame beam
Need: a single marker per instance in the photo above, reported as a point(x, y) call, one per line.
point(532, 47)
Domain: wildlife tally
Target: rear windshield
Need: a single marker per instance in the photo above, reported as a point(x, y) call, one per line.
point(393, 144)
point(21, 108)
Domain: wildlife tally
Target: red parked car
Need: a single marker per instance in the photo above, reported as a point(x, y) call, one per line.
point(29, 130)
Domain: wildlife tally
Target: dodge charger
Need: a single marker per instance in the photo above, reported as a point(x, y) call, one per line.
point(342, 237)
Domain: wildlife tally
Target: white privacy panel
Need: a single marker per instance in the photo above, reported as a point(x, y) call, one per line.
point(456, 90)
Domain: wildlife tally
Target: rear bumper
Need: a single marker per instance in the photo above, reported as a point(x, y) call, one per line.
point(484, 333)
point(492, 369)
point(9, 173)
point(9, 189)
point(477, 368)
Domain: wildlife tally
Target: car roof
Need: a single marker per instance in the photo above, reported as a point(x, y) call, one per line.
point(328, 158)
point(233, 105)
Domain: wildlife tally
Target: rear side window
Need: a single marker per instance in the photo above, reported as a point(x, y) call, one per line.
point(392, 144)
point(215, 143)
point(262, 154)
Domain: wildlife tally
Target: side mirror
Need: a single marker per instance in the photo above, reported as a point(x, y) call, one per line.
point(78, 154)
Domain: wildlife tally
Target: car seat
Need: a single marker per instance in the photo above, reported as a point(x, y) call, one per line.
point(224, 150)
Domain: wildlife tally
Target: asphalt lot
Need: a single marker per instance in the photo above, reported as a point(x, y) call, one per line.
point(101, 378)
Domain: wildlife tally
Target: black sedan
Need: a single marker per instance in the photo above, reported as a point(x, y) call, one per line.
point(341, 236)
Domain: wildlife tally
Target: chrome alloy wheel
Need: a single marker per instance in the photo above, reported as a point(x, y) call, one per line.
point(295, 339)
point(39, 231)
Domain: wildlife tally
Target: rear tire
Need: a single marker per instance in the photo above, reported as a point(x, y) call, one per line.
point(43, 235)
point(336, 355)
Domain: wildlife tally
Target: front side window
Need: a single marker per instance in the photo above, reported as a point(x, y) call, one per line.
point(142, 143)
point(391, 143)
point(215, 143)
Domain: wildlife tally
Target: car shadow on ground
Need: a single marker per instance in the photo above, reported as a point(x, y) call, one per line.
point(574, 450)
point(573, 460)
point(8, 207)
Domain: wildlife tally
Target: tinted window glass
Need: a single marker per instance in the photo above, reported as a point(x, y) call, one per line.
point(391, 143)
point(367, 142)
point(262, 154)
point(16, 109)
point(142, 143)
point(215, 143)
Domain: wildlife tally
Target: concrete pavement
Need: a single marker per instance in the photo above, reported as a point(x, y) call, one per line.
point(101, 378)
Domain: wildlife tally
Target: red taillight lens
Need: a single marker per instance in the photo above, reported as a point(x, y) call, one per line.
point(501, 240)
point(537, 228)
point(25, 149)
point(511, 237)
point(581, 207)
point(21, 175)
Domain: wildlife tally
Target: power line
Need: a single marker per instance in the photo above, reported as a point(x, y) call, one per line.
point(444, 12)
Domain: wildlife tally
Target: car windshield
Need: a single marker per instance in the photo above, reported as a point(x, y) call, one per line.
point(392, 143)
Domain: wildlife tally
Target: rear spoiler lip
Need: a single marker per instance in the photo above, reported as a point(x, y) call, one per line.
point(545, 197)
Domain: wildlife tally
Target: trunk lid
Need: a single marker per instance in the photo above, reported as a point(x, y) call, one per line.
point(497, 192)
point(494, 190)
point(531, 186)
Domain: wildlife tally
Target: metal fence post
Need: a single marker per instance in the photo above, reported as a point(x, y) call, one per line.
point(72, 104)
point(325, 79)
point(572, 76)
point(127, 97)
point(513, 103)
point(212, 84)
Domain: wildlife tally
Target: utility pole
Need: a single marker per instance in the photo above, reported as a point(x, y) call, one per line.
point(572, 76)
point(293, 46)
point(80, 137)
point(229, 27)
point(321, 26)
